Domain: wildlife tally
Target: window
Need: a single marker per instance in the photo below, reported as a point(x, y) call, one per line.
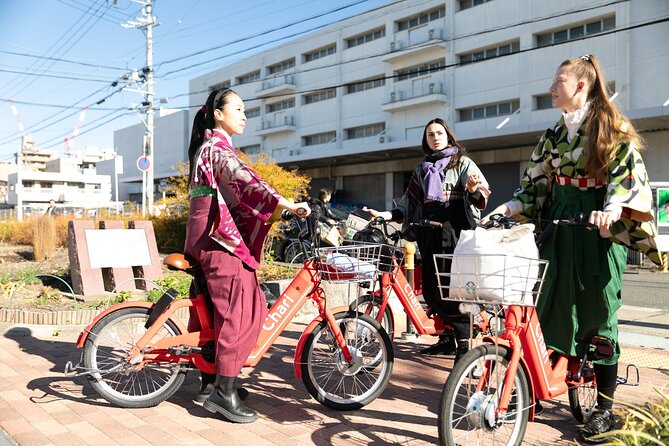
point(421, 19)
point(251, 150)
point(247, 78)
point(543, 102)
point(252, 112)
point(281, 66)
point(419, 70)
point(283, 105)
point(317, 54)
point(364, 38)
point(489, 53)
point(576, 32)
point(365, 85)
point(365, 130)
point(490, 110)
point(466, 4)
point(319, 96)
point(319, 138)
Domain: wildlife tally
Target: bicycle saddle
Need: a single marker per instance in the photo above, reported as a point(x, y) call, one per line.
point(178, 261)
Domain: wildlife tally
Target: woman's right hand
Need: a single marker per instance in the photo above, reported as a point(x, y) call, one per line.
point(301, 210)
point(386, 215)
point(501, 209)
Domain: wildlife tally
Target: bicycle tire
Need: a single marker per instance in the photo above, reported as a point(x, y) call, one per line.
point(121, 383)
point(370, 305)
point(467, 416)
point(337, 384)
point(583, 400)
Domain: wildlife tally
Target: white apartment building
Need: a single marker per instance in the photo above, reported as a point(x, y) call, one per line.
point(347, 104)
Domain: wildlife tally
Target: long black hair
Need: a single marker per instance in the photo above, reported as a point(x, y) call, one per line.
point(204, 120)
point(451, 141)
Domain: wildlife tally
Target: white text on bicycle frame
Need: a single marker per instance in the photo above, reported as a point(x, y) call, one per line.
point(412, 297)
point(276, 315)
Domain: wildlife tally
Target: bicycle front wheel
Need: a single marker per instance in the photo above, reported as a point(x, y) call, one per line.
point(343, 385)
point(583, 399)
point(113, 376)
point(468, 407)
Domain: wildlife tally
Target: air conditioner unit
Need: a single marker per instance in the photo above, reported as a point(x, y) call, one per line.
point(431, 88)
point(392, 96)
point(384, 139)
point(392, 46)
point(431, 34)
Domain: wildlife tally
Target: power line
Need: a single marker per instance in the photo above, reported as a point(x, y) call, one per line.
point(55, 76)
point(60, 59)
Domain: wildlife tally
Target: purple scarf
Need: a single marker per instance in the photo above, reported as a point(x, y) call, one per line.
point(433, 172)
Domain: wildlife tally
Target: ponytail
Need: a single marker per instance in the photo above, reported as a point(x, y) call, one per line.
point(203, 121)
point(606, 124)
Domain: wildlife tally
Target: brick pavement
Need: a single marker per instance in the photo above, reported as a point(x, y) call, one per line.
point(41, 406)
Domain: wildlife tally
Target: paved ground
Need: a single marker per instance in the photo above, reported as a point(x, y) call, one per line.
point(40, 406)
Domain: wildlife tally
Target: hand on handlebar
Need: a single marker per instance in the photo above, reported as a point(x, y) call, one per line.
point(301, 210)
point(603, 220)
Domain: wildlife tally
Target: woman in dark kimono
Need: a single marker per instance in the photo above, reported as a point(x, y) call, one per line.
point(588, 163)
point(228, 220)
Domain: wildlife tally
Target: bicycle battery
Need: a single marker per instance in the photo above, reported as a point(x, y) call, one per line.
point(165, 300)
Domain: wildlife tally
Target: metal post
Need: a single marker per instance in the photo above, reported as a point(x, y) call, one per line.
point(148, 13)
point(410, 251)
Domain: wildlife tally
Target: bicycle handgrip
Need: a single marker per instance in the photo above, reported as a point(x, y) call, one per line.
point(434, 224)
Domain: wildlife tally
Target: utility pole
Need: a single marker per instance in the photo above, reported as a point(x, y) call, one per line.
point(146, 22)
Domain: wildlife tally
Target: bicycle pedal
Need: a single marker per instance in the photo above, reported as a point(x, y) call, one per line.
point(625, 381)
point(183, 350)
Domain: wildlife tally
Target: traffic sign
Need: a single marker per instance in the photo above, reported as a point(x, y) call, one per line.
point(143, 163)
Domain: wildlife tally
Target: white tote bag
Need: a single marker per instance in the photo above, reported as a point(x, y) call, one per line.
point(496, 265)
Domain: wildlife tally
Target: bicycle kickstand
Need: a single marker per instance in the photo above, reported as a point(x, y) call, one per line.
point(625, 380)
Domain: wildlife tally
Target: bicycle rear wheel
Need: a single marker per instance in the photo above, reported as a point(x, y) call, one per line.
point(583, 400)
point(117, 380)
point(468, 407)
point(336, 383)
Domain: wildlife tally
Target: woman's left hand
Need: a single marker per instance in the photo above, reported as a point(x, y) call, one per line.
point(603, 220)
point(473, 183)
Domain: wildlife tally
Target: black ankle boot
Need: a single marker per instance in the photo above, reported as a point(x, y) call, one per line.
point(208, 384)
point(226, 401)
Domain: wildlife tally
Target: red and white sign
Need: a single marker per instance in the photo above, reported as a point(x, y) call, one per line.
point(143, 163)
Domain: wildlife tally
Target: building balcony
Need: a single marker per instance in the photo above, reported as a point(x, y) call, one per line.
point(277, 86)
point(420, 42)
point(432, 93)
point(279, 124)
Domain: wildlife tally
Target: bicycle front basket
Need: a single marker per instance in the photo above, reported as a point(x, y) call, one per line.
point(349, 263)
point(490, 278)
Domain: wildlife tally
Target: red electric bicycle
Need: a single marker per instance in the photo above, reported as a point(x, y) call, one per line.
point(490, 394)
point(394, 279)
point(136, 354)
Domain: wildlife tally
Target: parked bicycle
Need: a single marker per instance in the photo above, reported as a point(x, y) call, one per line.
point(394, 278)
point(492, 392)
point(136, 354)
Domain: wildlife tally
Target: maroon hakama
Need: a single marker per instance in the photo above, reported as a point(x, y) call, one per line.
point(239, 305)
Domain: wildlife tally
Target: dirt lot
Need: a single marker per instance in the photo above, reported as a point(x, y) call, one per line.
point(19, 288)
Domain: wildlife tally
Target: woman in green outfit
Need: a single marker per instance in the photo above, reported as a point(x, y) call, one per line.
point(588, 163)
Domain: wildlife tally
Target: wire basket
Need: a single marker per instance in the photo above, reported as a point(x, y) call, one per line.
point(353, 262)
point(490, 278)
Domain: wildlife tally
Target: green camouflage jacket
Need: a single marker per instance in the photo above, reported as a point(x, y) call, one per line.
point(627, 186)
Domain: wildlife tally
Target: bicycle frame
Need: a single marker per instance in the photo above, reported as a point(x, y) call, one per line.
point(306, 285)
point(523, 336)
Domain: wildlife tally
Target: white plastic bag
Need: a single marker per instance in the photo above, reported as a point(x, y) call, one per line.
point(496, 265)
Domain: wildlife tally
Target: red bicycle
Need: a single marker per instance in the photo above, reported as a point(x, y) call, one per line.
point(394, 279)
point(136, 354)
point(491, 393)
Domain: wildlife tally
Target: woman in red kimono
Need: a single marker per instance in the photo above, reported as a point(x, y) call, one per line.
point(227, 223)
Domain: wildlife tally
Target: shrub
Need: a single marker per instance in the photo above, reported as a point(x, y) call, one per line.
point(179, 281)
point(646, 425)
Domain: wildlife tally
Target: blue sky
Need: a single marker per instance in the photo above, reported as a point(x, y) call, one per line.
point(57, 56)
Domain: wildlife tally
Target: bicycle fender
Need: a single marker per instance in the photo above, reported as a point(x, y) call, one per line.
point(84, 334)
point(305, 334)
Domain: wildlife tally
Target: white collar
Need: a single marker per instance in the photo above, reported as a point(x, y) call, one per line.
point(573, 120)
